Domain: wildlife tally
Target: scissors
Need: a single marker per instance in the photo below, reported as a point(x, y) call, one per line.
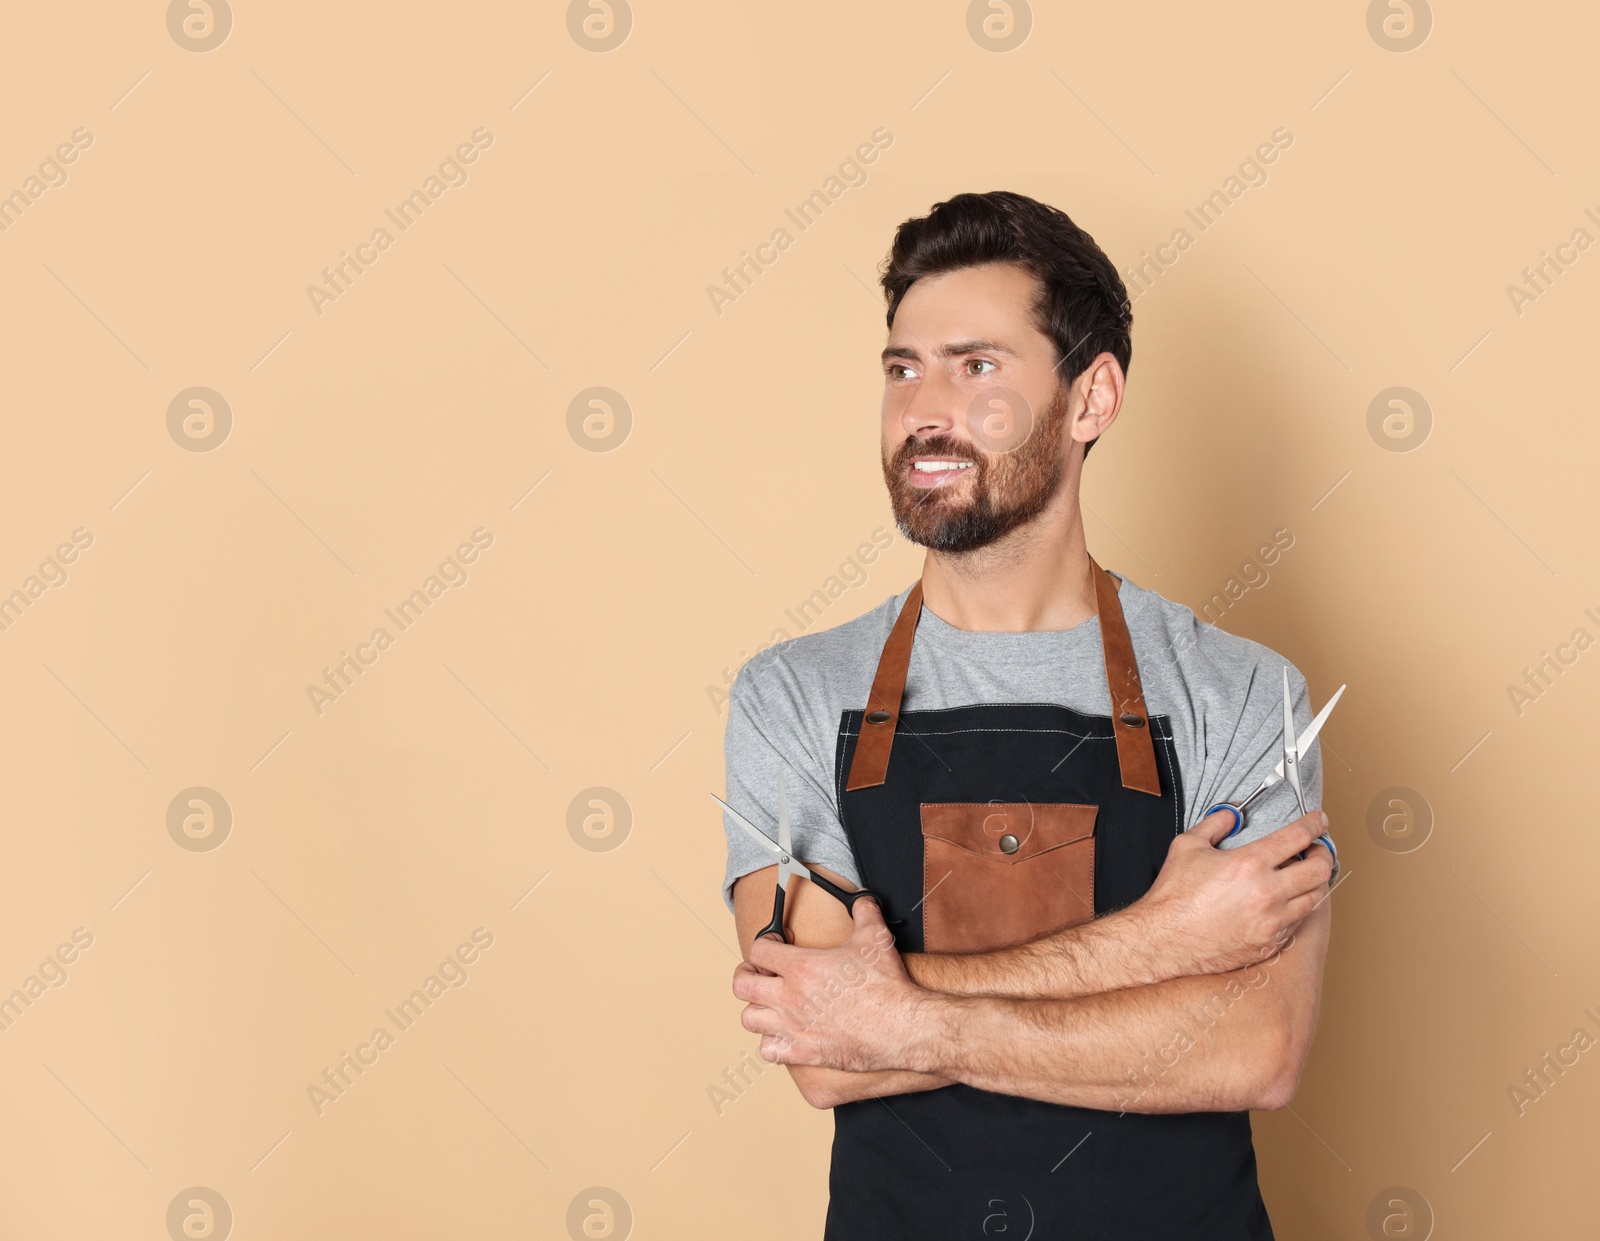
point(788, 868)
point(1288, 768)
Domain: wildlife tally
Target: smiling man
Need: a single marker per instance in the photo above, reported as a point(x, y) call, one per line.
point(1055, 1018)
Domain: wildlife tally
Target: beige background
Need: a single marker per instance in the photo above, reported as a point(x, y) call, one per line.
point(432, 798)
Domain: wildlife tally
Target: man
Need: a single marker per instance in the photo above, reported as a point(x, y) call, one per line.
point(1056, 1016)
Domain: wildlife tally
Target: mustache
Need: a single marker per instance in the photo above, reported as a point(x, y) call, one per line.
point(936, 446)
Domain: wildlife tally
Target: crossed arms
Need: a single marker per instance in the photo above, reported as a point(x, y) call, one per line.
point(1200, 996)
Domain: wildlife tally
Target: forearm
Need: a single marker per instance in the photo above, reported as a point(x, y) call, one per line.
point(1145, 1050)
point(1122, 949)
point(1106, 954)
point(1224, 1042)
point(1103, 955)
point(1161, 937)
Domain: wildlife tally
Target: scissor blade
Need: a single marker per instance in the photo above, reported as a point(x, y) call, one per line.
point(760, 836)
point(1315, 727)
point(1307, 737)
point(1291, 747)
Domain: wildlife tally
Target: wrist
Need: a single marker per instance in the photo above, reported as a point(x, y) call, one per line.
point(935, 1032)
point(1147, 940)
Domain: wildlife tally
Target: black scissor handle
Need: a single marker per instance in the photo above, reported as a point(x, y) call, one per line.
point(849, 899)
point(775, 927)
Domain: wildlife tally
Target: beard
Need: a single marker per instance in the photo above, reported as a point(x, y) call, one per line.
point(1001, 491)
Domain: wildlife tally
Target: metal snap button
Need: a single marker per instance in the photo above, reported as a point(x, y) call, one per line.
point(1133, 721)
point(877, 717)
point(1009, 843)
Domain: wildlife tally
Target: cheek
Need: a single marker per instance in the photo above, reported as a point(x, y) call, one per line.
point(891, 434)
point(889, 420)
point(1047, 445)
point(888, 443)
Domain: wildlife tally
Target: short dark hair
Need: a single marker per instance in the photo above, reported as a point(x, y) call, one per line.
point(1083, 306)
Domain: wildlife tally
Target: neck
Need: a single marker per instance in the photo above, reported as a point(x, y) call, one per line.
point(1037, 577)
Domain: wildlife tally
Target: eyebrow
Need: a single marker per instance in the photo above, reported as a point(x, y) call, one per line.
point(953, 350)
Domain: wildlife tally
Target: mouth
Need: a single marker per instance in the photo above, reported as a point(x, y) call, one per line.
point(930, 472)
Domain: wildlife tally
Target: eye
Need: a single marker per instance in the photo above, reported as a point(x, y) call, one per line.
point(896, 366)
point(981, 362)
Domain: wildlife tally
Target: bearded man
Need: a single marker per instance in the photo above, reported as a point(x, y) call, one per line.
point(1058, 1009)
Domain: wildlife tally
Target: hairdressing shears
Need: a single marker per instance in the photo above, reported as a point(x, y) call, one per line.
point(1288, 768)
point(788, 868)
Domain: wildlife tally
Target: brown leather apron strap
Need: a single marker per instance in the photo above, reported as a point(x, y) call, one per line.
point(1130, 722)
point(1136, 753)
point(871, 762)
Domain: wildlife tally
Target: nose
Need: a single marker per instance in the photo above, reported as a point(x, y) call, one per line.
point(933, 407)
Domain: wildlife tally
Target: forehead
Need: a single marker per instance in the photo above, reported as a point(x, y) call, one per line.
point(992, 303)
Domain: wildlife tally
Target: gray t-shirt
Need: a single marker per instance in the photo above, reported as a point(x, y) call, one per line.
point(1222, 693)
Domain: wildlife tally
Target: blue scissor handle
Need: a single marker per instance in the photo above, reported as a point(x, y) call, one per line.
point(1328, 840)
point(1238, 815)
point(1238, 822)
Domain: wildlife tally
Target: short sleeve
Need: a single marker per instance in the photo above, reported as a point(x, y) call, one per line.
point(1257, 749)
point(765, 734)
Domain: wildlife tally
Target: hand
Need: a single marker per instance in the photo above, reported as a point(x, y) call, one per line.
point(1217, 910)
point(848, 1007)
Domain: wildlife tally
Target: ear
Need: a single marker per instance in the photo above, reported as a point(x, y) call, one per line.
point(1097, 396)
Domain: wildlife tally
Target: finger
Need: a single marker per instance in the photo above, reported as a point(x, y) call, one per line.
point(760, 1020)
point(756, 987)
point(864, 912)
point(744, 967)
point(1290, 839)
point(1319, 869)
point(769, 952)
point(1320, 843)
point(1318, 849)
point(1301, 907)
point(774, 1048)
point(1297, 877)
point(871, 928)
point(1214, 828)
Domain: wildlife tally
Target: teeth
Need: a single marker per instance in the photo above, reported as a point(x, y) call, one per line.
point(930, 467)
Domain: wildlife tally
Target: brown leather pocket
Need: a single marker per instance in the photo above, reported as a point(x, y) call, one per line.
point(1000, 873)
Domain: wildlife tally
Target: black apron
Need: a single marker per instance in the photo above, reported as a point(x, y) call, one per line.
point(983, 826)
